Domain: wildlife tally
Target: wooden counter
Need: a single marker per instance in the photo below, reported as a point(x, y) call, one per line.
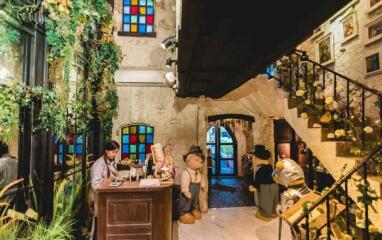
point(132, 212)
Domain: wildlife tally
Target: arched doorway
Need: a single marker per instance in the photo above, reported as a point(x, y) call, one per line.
point(223, 145)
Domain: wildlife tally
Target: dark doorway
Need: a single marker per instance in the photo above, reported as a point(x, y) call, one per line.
point(223, 145)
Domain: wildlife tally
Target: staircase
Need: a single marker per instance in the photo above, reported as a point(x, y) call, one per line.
point(339, 120)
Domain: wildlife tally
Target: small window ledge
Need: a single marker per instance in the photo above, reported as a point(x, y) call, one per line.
point(137, 34)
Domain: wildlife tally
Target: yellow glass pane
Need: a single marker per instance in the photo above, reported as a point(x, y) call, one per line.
point(134, 2)
point(133, 130)
point(125, 130)
point(133, 29)
point(141, 138)
point(142, 10)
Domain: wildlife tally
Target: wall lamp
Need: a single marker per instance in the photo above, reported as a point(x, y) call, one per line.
point(169, 62)
point(168, 42)
point(304, 57)
point(171, 79)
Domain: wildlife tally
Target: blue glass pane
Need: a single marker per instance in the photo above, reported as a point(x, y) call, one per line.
point(150, 11)
point(211, 135)
point(225, 136)
point(55, 139)
point(142, 148)
point(125, 139)
point(126, 27)
point(142, 2)
point(142, 19)
point(79, 149)
point(60, 157)
point(149, 28)
point(126, 10)
point(142, 129)
point(271, 71)
point(142, 28)
point(142, 157)
point(126, 19)
point(226, 151)
point(227, 167)
point(125, 148)
point(126, 2)
point(60, 148)
point(149, 138)
point(80, 140)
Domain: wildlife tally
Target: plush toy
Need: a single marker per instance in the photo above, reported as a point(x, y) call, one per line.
point(190, 186)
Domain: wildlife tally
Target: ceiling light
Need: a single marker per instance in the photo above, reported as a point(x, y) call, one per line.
point(170, 78)
point(169, 62)
point(168, 42)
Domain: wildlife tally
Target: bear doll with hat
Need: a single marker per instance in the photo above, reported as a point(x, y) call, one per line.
point(191, 179)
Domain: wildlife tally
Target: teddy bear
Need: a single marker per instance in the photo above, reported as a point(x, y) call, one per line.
point(191, 183)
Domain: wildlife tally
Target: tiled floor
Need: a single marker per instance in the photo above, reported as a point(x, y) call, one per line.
point(220, 198)
point(231, 223)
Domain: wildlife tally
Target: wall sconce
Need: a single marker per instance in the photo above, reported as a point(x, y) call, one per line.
point(171, 79)
point(168, 42)
point(169, 62)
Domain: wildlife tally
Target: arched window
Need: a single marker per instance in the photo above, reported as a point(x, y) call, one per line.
point(223, 147)
point(136, 141)
point(138, 18)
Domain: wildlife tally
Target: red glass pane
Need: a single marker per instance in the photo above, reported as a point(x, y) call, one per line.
point(125, 155)
point(133, 139)
point(149, 19)
point(134, 10)
point(148, 148)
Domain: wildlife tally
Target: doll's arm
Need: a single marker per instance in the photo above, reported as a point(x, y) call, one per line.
point(185, 184)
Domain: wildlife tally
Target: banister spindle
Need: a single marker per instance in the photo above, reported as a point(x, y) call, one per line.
point(347, 207)
point(367, 237)
point(363, 124)
point(328, 217)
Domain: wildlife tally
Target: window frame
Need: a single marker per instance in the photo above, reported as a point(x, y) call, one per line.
point(137, 143)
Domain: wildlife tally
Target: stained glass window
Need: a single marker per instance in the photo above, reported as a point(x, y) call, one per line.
point(74, 145)
point(138, 16)
point(136, 140)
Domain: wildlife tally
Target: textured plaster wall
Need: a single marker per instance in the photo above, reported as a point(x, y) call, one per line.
point(349, 57)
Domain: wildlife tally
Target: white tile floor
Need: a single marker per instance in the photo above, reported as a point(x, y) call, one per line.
point(233, 224)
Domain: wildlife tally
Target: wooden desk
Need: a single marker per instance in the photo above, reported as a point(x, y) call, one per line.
point(130, 212)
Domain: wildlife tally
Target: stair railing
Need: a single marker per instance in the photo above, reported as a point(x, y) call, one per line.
point(359, 105)
point(342, 183)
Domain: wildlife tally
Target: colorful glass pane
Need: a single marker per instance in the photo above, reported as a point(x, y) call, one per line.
point(60, 157)
point(134, 28)
point(60, 148)
point(126, 27)
point(79, 149)
point(142, 28)
point(150, 19)
point(55, 139)
point(142, 138)
point(133, 139)
point(150, 11)
point(133, 156)
point(149, 28)
point(133, 148)
point(134, 10)
point(133, 129)
point(142, 2)
point(149, 138)
point(125, 130)
point(71, 149)
point(124, 155)
point(125, 139)
point(126, 10)
point(126, 2)
point(125, 148)
point(134, 2)
point(142, 157)
point(148, 148)
point(150, 2)
point(142, 10)
point(142, 148)
point(142, 129)
point(126, 19)
point(80, 140)
point(149, 129)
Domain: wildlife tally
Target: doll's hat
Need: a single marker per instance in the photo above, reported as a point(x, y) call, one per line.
point(195, 150)
point(260, 152)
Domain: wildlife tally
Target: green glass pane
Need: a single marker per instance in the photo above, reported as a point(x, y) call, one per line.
point(133, 156)
point(125, 130)
point(150, 2)
point(133, 130)
point(133, 148)
point(71, 149)
point(149, 130)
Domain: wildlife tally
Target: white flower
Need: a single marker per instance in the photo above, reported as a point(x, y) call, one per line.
point(335, 116)
point(354, 139)
point(304, 115)
point(300, 93)
point(316, 83)
point(316, 125)
point(368, 129)
point(330, 136)
point(339, 88)
point(377, 121)
point(328, 100)
point(333, 106)
point(329, 91)
point(307, 102)
point(339, 133)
